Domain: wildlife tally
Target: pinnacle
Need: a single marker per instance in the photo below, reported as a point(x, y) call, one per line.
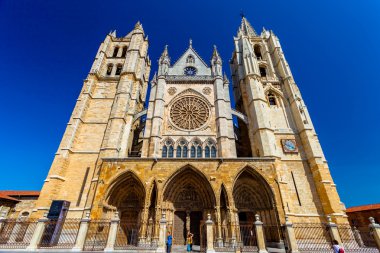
point(165, 53)
point(138, 26)
point(246, 28)
point(215, 53)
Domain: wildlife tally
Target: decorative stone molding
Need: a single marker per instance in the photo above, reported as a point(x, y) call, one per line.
point(206, 90)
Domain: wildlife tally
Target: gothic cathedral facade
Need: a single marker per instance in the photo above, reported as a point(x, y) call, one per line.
point(188, 153)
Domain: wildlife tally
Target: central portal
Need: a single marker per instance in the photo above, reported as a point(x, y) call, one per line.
point(184, 222)
point(188, 197)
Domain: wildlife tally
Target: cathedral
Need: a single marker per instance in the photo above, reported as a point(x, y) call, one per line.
point(186, 153)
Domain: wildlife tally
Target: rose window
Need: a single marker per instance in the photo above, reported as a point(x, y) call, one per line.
point(189, 113)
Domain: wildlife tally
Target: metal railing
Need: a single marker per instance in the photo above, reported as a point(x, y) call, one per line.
point(312, 237)
point(16, 234)
point(127, 236)
point(97, 235)
point(246, 237)
point(60, 234)
point(357, 239)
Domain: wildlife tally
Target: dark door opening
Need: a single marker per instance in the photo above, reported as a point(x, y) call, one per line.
point(195, 222)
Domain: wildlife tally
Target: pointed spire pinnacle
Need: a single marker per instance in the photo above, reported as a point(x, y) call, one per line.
point(190, 43)
point(138, 26)
point(165, 52)
point(165, 59)
point(216, 59)
point(215, 51)
point(246, 28)
point(113, 33)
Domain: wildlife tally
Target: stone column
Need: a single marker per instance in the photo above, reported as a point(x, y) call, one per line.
point(112, 232)
point(37, 235)
point(162, 236)
point(232, 227)
point(209, 235)
point(260, 235)
point(290, 236)
point(333, 229)
point(149, 233)
point(375, 231)
point(144, 221)
point(219, 239)
point(84, 224)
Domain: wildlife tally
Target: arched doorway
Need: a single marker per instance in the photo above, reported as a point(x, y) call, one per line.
point(127, 196)
point(253, 195)
point(188, 198)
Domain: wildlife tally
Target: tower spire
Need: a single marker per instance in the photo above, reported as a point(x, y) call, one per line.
point(246, 28)
point(138, 26)
point(164, 62)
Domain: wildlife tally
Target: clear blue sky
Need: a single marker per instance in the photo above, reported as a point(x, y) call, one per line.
point(47, 48)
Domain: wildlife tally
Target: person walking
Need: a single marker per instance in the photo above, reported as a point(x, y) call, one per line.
point(337, 248)
point(169, 242)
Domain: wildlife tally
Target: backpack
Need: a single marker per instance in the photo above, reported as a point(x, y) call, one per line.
point(341, 250)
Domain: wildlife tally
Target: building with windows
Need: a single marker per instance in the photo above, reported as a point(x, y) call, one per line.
point(17, 204)
point(183, 155)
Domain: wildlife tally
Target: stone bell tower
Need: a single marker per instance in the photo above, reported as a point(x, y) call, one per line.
point(278, 121)
point(102, 123)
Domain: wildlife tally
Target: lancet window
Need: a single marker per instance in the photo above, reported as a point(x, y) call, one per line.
point(263, 71)
point(272, 99)
point(123, 54)
point(210, 149)
point(115, 51)
point(118, 69)
point(196, 148)
point(181, 148)
point(109, 69)
point(184, 149)
point(257, 50)
point(168, 149)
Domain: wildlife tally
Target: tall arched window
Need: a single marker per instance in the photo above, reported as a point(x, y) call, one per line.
point(199, 151)
point(263, 71)
point(272, 99)
point(118, 69)
point(109, 69)
point(184, 152)
point(213, 151)
point(196, 148)
point(257, 50)
point(168, 148)
point(179, 151)
point(192, 151)
point(182, 148)
point(210, 148)
point(123, 54)
point(171, 151)
point(164, 151)
point(115, 51)
point(207, 151)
